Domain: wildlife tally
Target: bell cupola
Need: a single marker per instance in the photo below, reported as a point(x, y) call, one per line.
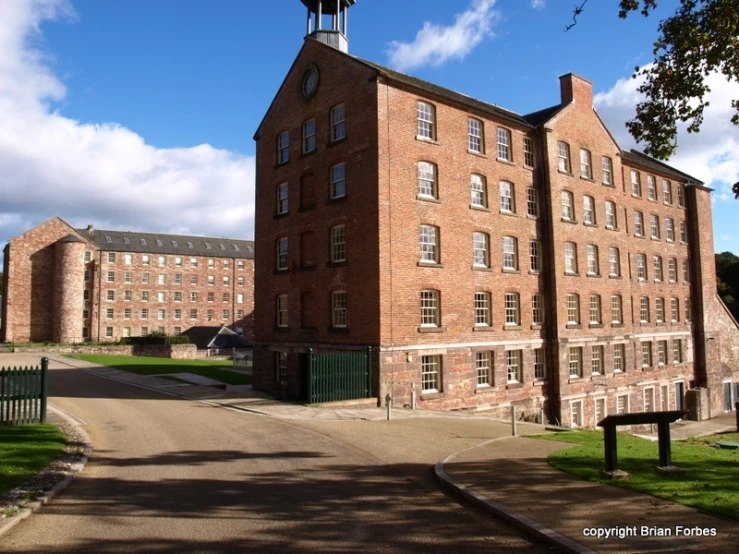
point(335, 35)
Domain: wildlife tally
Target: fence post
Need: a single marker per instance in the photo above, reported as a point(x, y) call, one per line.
point(310, 376)
point(369, 372)
point(44, 386)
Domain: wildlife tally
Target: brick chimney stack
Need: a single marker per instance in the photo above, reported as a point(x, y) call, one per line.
point(575, 88)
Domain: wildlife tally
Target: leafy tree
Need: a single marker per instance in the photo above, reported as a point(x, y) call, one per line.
point(727, 281)
point(700, 38)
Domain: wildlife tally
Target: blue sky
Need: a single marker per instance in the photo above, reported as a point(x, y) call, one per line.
point(139, 114)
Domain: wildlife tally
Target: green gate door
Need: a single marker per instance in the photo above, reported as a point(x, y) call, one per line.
point(339, 376)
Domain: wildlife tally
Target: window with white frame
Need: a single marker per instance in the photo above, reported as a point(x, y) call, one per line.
point(644, 309)
point(193, 262)
point(431, 373)
point(667, 191)
point(641, 267)
point(510, 253)
point(588, 210)
point(617, 309)
point(478, 191)
point(514, 370)
point(144, 295)
point(651, 188)
point(161, 314)
point(426, 177)
point(586, 166)
point(128, 259)
point(111, 257)
point(669, 229)
point(178, 279)
point(611, 221)
point(683, 233)
point(429, 244)
point(507, 199)
point(614, 262)
point(111, 277)
point(568, 207)
point(659, 309)
point(688, 309)
point(649, 399)
point(592, 256)
point(162, 261)
point(426, 121)
point(563, 157)
point(674, 310)
point(145, 259)
point(646, 354)
point(162, 279)
point(638, 224)
point(576, 413)
point(240, 298)
point(338, 123)
point(161, 296)
point(662, 352)
point(178, 261)
point(657, 262)
point(607, 169)
point(178, 296)
point(144, 313)
point(665, 398)
point(570, 257)
point(309, 136)
point(281, 367)
point(338, 243)
point(595, 310)
point(677, 351)
point(535, 256)
point(573, 308)
point(512, 309)
point(110, 295)
point(127, 295)
point(596, 360)
point(475, 131)
point(537, 309)
point(430, 308)
point(338, 309)
point(681, 195)
point(532, 202)
point(281, 310)
point(686, 271)
point(282, 263)
point(482, 309)
point(622, 404)
point(484, 368)
point(337, 175)
point(109, 313)
point(619, 358)
point(504, 144)
point(529, 154)
point(635, 183)
point(540, 364)
point(480, 249)
point(575, 361)
point(654, 226)
point(283, 147)
point(193, 314)
point(109, 332)
point(88, 256)
point(599, 409)
point(282, 207)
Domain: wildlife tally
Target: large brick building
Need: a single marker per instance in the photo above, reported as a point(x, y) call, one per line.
point(73, 285)
point(492, 258)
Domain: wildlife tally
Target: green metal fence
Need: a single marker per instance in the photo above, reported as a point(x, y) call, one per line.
point(23, 392)
point(339, 376)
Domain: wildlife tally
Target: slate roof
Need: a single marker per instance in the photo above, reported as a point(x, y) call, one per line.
point(157, 243)
point(636, 158)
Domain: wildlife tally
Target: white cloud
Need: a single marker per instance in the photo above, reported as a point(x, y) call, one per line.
point(435, 44)
point(711, 155)
point(100, 173)
point(538, 4)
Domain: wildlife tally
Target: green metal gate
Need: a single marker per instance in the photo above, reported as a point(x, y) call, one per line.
point(339, 376)
point(23, 392)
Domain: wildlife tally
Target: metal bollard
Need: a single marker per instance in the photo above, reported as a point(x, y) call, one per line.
point(389, 405)
point(513, 421)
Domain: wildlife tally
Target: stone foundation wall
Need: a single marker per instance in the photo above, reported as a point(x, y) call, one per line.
point(174, 351)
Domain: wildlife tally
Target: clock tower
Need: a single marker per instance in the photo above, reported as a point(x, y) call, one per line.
point(335, 35)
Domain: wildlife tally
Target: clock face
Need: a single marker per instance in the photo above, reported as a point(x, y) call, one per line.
point(310, 82)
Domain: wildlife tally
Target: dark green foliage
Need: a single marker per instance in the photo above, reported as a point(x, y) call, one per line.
point(727, 281)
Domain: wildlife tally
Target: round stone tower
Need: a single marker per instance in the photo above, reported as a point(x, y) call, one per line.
point(69, 284)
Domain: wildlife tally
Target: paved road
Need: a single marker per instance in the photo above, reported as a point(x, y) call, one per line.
point(171, 475)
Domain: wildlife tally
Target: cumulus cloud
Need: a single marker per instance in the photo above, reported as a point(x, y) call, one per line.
point(100, 173)
point(436, 44)
point(711, 155)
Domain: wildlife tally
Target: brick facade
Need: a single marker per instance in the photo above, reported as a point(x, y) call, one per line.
point(462, 223)
point(74, 285)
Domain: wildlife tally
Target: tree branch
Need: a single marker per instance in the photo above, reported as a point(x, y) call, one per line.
point(577, 11)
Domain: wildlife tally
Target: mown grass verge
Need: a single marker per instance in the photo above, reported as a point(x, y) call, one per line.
point(144, 365)
point(27, 449)
point(711, 482)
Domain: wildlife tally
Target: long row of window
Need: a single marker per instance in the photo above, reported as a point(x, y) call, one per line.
point(176, 296)
point(576, 361)
point(108, 332)
point(337, 249)
point(650, 402)
point(162, 278)
point(162, 261)
point(161, 314)
point(652, 193)
point(339, 311)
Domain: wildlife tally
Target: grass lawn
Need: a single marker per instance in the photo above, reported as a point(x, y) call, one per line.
point(711, 482)
point(144, 365)
point(27, 449)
